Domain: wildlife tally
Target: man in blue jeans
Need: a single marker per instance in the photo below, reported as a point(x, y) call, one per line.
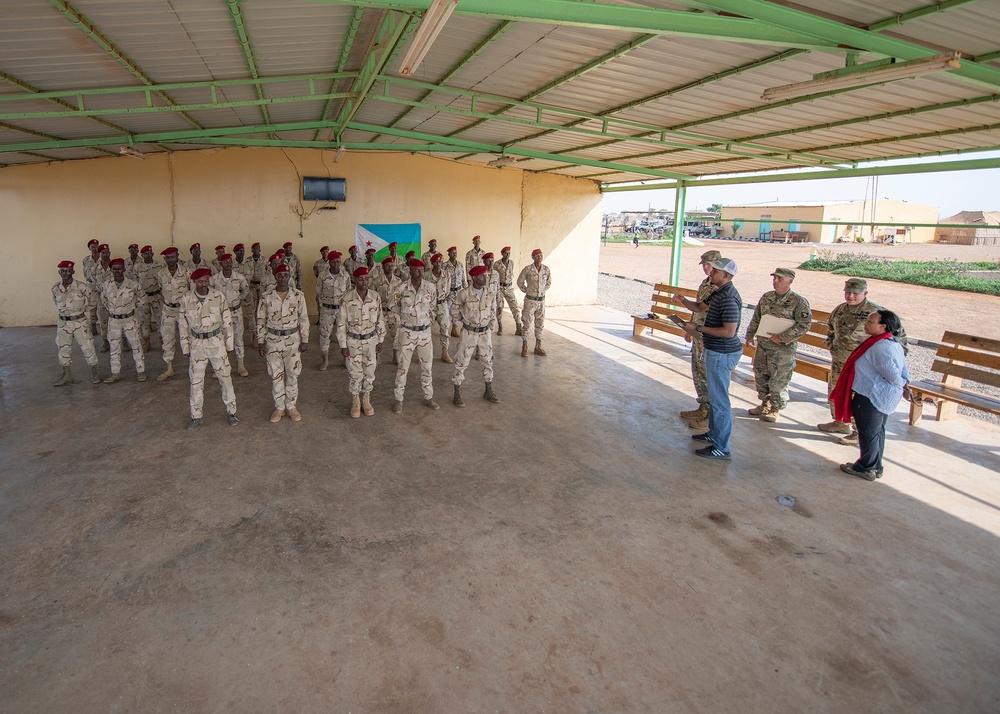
point(723, 349)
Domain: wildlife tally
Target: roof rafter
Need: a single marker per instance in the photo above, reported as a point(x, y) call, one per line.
point(345, 52)
point(239, 22)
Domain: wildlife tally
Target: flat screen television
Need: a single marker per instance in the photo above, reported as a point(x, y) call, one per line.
point(324, 189)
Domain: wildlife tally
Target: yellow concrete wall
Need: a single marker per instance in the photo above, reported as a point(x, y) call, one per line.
point(245, 195)
point(780, 218)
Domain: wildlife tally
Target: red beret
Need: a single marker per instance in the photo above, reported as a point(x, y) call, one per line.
point(488, 255)
point(201, 273)
point(437, 258)
point(117, 261)
point(453, 249)
point(360, 272)
point(414, 263)
point(220, 247)
point(66, 264)
point(288, 244)
point(169, 251)
point(391, 245)
point(386, 259)
point(353, 248)
point(283, 268)
point(280, 252)
point(536, 251)
point(475, 237)
point(195, 245)
point(334, 255)
point(255, 245)
point(478, 270)
point(324, 248)
point(102, 247)
point(133, 245)
point(505, 249)
point(370, 250)
point(146, 249)
point(409, 253)
point(274, 258)
point(225, 256)
point(93, 241)
point(239, 246)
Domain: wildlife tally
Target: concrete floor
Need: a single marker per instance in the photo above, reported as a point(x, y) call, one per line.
point(561, 551)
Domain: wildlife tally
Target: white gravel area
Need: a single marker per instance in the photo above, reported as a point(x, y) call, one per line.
point(633, 296)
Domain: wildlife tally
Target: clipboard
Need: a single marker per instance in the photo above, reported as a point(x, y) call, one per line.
point(676, 320)
point(770, 323)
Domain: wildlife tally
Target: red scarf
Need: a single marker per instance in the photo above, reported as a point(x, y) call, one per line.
point(842, 391)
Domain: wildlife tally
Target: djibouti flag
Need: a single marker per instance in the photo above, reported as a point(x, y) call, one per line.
point(406, 236)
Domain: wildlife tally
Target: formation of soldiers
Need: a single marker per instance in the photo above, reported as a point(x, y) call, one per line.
point(214, 308)
point(774, 358)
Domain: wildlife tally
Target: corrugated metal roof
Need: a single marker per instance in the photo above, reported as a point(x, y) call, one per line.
point(575, 96)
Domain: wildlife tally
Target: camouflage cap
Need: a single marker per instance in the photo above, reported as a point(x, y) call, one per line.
point(710, 256)
point(855, 285)
point(784, 273)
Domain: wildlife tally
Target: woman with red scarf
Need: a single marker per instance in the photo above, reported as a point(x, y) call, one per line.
point(869, 388)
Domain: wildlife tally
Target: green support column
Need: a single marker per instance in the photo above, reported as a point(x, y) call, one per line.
point(675, 250)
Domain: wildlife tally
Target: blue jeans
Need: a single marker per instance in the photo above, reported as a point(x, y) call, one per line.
point(719, 368)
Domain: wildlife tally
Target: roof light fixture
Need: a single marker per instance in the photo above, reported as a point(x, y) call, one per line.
point(863, 75)
point(430, 27)
point(129, 151)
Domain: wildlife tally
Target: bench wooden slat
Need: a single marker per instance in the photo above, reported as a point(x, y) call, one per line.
point(813, 340)
point(982, 343)
point(957, 354)
point(948, 397)
point(667, 288)
point(971, 373)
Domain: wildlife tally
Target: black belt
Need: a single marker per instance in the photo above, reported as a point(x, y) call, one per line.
point(206, 335)
point(356, 336)
point(534, 297)
point(442, 300)
point(125, 316)
point(235, 307)
point(455, 290)
point(419, 328)
point(386, 309)
point(70, 318)
point(506, 285)
point(472, 328)
point(155, 292)
point(282, 333)
point(255, 282)
point(328, 306)
point(171, 304)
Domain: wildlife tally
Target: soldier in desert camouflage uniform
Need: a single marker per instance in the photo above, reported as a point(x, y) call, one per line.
point(474, 256)
point(352, 262)
point(206, 333)
point(457, 279)
point(534, 281)
point(102, 274)
point(320, 268)
point(360, 331)
point(144, 273)
point(294, 265)
point(475, 308)
point(173, 279)
point(122, 299)
point(774, 360)
point(268, 281)
point(282, 334)
point(386, 284)
point(235, 288)
point(256, 268)
point(196, 260)
point(88, 264)
point(432, 246)
point(413, 306)
point(132, 260)
point(216, 264)
point(74, 300)
point(505, 272)
point(329, 291)
point(442, 314)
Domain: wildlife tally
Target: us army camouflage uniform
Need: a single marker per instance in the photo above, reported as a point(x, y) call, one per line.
point(698, 346)
point(149, 310)
point(74, 305)
point(282, 325)
point(477, 313)
point(206, 333)
point(330, 290)
point(505, 271)
point(442, 314)
point(773, 364)
point(236, 290)
point(360, 327)
point(173, 288)
point(387, 289)
point(534, 283)
point(413, 308)
point(123, 304)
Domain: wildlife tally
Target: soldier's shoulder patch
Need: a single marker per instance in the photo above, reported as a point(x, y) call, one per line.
point(397, 296)
point(805, 313)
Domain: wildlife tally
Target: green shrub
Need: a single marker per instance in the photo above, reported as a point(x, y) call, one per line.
point(948, 274)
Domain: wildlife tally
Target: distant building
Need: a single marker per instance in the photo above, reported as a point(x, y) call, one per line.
point(804, 222)
point(984, 229)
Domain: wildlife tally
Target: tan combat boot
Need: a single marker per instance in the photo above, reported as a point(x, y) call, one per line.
point(366, 404)
point(455, 332)
point(293, 414)
point(771, 415)
point(146, 347)
point(167, 373)
point(835, 427)
point(852, 439)
point(524, 349)
point(763, 408)
point(538, 350)
point(324, 360)
point(700, 413)
point(445, 357)
point(65, 378)
point(276, 416)
point(355, 406)
point(241, 368)
point(698, 424)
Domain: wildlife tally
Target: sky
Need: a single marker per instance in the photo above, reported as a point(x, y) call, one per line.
point(951, 192)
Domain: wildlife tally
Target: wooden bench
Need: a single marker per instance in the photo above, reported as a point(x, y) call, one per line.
point(809, 364)
point(959, 357)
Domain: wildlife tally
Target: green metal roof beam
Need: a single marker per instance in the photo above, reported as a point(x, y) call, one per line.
point(241, 29)
point(490, 38)
point(323, 145)
point(109, 47)
point(837, 32)
point(918, 14)
point(47, 137)
point(988, 57)
point(624, 18)
point(345, 53)
point(388, 38)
